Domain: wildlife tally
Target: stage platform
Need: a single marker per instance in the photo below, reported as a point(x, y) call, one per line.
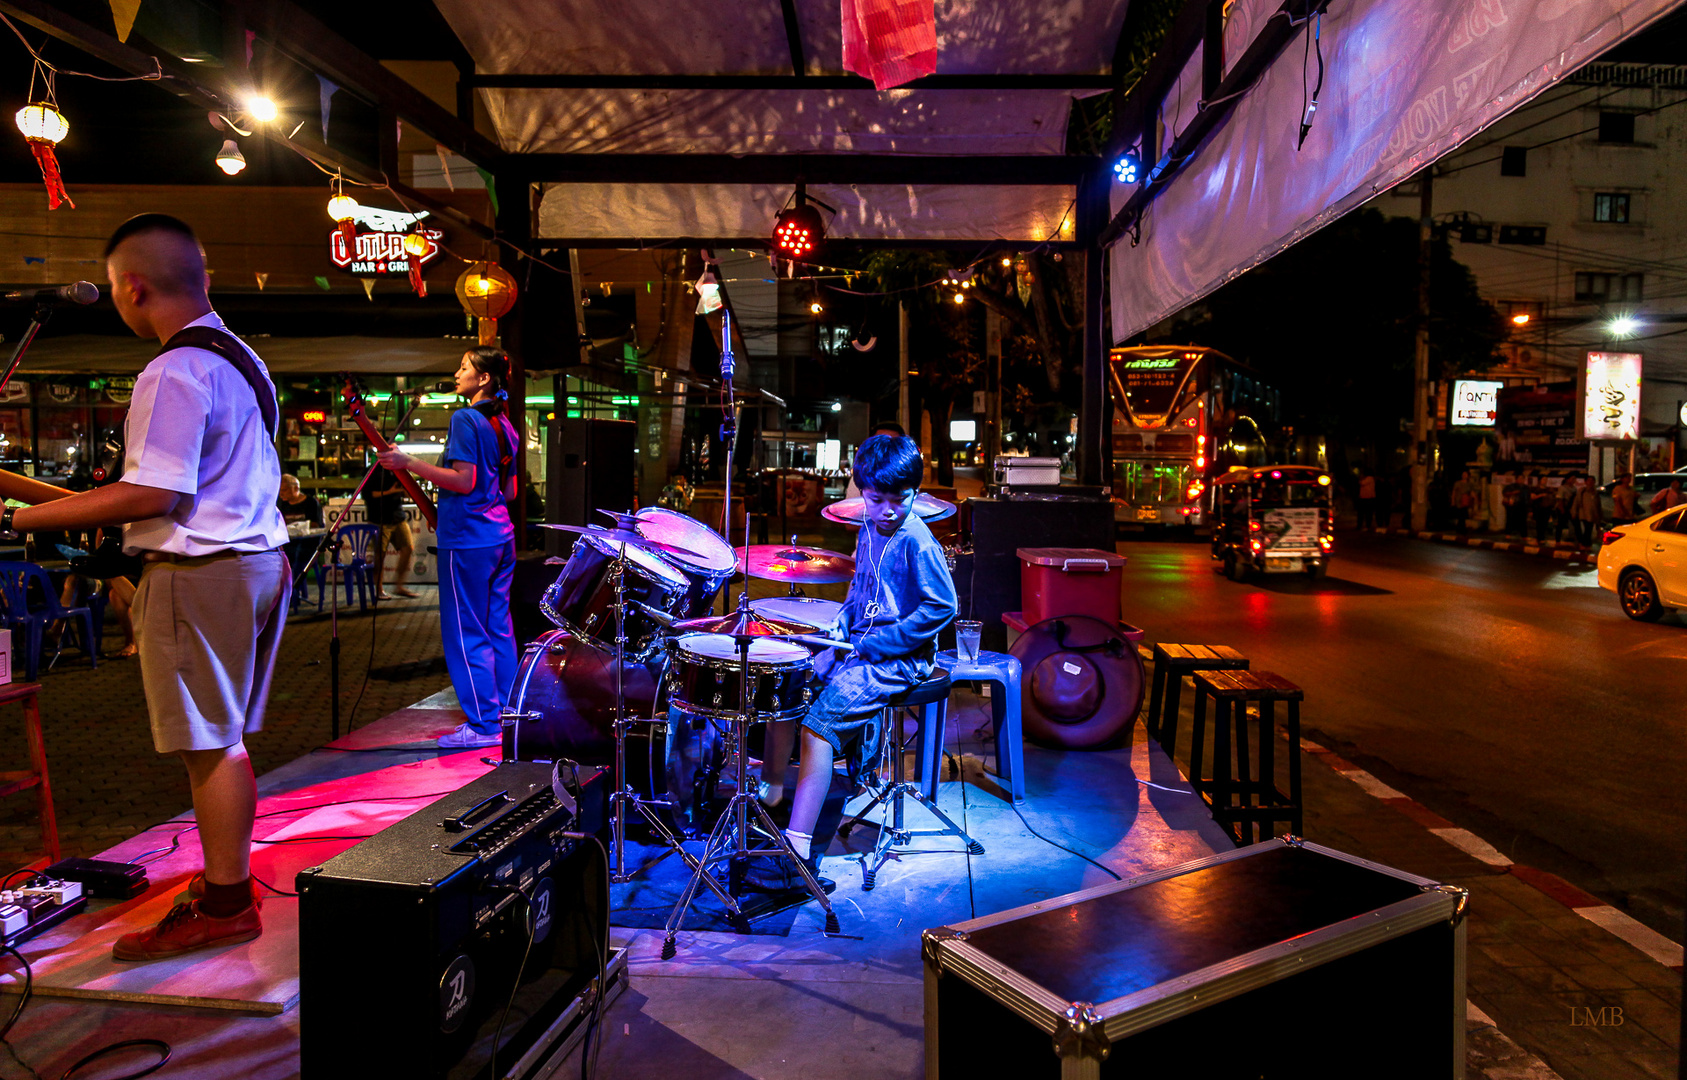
point(784, 1000)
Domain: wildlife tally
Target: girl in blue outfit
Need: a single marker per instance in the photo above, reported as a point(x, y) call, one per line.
point(475, 477)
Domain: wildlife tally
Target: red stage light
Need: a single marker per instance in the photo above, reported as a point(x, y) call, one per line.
point(798, 231)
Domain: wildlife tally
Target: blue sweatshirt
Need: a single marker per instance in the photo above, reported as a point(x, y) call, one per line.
point(902, 594)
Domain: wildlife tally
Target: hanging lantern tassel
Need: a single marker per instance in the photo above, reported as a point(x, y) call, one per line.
point(43, 126)
point(415, 247)
point(488, 331)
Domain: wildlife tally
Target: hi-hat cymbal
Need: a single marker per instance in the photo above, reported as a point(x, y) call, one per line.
point(743, 623)
point(622, 536)
point(798, 565)
point(853, 511)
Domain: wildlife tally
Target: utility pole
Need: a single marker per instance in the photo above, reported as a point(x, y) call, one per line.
point(992, 390)
point(1423, 429)
point(902, 416)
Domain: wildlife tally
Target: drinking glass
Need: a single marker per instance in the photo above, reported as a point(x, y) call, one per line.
point(967, 632)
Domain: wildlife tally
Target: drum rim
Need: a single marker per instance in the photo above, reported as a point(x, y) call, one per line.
point(723, 559)
point(781, 664)
point(795, 617)
point(678, 580)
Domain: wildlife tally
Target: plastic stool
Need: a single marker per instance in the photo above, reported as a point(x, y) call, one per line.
point(1003, 671)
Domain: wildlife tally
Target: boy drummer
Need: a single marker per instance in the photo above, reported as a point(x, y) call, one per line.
point(901, 596)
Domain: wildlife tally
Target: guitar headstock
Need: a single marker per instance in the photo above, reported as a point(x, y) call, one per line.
point(353, 391)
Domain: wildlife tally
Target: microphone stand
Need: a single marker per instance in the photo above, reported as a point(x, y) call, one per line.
point(38, 319)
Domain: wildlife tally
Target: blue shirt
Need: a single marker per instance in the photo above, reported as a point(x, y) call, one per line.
point(478, 519)
point(902, 593)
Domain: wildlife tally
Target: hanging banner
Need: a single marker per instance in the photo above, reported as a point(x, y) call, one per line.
point(1609, 396)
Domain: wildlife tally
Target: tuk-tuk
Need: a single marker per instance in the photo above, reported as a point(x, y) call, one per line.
point(1273, 519)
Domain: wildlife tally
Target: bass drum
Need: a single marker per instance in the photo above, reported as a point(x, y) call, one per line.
point(564, 701)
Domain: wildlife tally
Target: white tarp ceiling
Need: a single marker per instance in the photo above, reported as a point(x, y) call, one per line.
point(705, 37)
point(1405, 84)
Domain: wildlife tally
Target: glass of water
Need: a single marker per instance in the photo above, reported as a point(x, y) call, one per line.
point(967, 632)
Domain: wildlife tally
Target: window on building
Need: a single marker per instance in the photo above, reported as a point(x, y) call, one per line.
point(1610, 207)
point(1602, 288)
point(1616, 127)
point(1514, 161)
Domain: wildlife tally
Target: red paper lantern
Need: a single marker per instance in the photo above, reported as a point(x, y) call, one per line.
point(43, 127)
point(415, 247)
point(343, 209)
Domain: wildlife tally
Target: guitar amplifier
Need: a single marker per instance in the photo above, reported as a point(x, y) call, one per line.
point(410, 943)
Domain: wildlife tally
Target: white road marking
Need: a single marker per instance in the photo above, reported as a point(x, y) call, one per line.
point(1638, 934)
point(1473, 845)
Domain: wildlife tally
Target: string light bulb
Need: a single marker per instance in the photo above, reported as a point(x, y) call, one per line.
point(229, 159)
point(960, 298)
point(261, 108)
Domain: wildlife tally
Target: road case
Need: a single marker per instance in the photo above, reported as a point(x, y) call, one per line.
point(1276, 961)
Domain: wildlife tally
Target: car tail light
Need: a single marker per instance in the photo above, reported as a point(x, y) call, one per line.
point(1253, 526)
point(1611, 537)
point(1254, 544)
point(1326, 542)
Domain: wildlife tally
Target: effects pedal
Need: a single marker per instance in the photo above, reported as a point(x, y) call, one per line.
point(27, 911)
point(101, 879)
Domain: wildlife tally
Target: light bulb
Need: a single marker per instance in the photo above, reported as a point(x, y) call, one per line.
point(261, 108)
point(229, 159)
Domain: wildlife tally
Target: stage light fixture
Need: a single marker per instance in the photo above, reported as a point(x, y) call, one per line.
point(1127, 169)
point(798, 231)
point(229, 159)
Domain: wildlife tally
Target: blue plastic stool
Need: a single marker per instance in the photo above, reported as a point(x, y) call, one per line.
point(992, 667)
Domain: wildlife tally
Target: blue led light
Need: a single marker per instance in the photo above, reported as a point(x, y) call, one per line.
point(1127, 169)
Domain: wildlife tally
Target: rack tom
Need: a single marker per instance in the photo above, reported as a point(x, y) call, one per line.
point(582, 599)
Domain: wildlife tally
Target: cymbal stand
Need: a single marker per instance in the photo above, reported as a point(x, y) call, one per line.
point(624, 795)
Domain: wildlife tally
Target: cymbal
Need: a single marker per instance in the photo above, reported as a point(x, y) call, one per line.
point(743, 623)
point(799, 565)
point(853, 511)
point(622, 536)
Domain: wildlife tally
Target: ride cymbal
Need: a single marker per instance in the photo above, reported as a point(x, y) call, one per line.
point(853, 511)
point(795, 564)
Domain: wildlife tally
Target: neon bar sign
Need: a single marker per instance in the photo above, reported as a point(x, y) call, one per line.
point(379, 247)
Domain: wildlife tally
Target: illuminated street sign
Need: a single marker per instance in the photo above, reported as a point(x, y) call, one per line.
point(1475, 402)
point(1610, 403)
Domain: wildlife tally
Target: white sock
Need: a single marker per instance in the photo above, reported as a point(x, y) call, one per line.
point(801, 842)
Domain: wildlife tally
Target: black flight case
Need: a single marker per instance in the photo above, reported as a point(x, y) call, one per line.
point(1280, 961)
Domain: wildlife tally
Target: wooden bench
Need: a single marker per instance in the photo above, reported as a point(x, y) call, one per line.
point(1173, 664)
point(1232, 798)
point(36, 775)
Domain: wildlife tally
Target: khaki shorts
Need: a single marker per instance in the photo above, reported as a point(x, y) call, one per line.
point(397, 537)
point(208, 631)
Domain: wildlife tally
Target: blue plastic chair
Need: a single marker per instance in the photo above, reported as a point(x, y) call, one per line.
point(16, 580)
point(992, 667)
point(355, 541)
point(298, 553)
point(26, 626)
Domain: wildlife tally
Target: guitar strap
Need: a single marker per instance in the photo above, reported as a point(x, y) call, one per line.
point(227, 346)
point(506, 457)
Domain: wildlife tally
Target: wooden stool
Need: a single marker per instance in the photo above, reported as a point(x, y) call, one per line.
point(36, 775)
point(1232, 800)
point(1172, 663)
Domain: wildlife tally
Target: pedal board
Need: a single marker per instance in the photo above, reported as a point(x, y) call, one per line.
point(27, 911)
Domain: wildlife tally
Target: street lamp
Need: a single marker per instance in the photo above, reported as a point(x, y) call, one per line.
point(1622, 326)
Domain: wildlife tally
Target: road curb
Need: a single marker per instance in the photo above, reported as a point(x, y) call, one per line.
point(1638, 935)
point(1559, 552)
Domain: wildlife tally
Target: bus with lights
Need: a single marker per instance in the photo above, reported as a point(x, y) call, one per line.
point(1273, 519)
point(1183, 415)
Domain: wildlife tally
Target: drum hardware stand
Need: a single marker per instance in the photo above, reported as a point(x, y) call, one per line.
point(730, 838)
point(893, 833)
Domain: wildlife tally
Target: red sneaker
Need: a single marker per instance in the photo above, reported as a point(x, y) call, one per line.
point(186, 929)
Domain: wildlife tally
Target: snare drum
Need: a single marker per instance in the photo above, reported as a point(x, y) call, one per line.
point(823, 615)
point(582, 599)
point(706, 570)
point(704, 670)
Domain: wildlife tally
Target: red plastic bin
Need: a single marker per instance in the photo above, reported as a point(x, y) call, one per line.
point(1056, 582)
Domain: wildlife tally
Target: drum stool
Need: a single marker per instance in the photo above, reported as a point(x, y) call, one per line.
point(36, 775)
point(894, 837)
point(1232, 800)
point(1172, 664)
point(1001, 670)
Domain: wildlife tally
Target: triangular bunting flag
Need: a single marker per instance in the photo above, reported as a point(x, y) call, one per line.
point(263, 279)
point(368, 288)
point(322, 283)
point(445, 165)
point(123, 14)
point(325, 91)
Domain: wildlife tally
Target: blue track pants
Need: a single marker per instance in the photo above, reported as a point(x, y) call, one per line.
point(474, 621)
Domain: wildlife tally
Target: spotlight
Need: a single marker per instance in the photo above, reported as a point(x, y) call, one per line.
point(261, 109)
point(229, 159)
point(798, 231)
point(1127, 169)
point(1622, 326)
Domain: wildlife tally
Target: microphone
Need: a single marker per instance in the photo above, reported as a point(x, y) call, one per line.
point(443, 387)
point(77, 292)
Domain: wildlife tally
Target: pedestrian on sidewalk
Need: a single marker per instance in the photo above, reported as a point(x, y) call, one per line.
point(1624, 508)
point(197, 500)
point(1585, 512)
point(1542, 502)
point(1367, 500)
point(1561, 508)
point(1464, 501)
point(1667, 499)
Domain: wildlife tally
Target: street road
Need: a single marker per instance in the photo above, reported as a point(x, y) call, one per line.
point(1505, 692)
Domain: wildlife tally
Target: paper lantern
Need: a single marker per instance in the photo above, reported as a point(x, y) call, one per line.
point(415, 247)
point(486, 291)
point(343, 209)
point(43, 127)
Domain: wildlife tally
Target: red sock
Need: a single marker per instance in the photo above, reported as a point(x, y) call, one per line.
point(226, 901)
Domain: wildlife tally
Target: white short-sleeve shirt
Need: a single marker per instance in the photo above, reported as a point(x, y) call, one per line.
point(194, 427)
